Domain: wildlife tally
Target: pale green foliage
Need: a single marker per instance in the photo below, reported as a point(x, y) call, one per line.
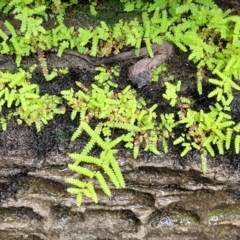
point(92, 7)
point(106, 75)
point(32, 36)
point(39, 110)
point(166, 126)
point(210, 35)
point(31, 7)
point(22, 97)
point(171, 92)
point(158, 71)
point(116, 111)
point(205, 130)
point(106, 162)
point(119, 110)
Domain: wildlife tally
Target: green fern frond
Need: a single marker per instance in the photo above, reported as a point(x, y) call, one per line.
point(116, 141)
point(63, 45)
point(79, 199)
point(149, 47)
point(116, 169)
point(81, 170)
point(87, 193)
point(74, 191)
point(199, 84)
point(83, 158)
point(3, 35)
point(178, 140)
point(111, 174)
point(3, 121)
point(152, 148)
point(195, 145)
point(122, 125)
point(210, 149)
point(156, 16)
point(103, 184)
point(226, 124)
point(228, 138)
point(77, 133)
point(218, 132)
point(92, 192)
point(94, 48)
point(165, 145)
point(220, 146)
point(11, 29)
point(135, 151)
point(83, 188)
point(183, 9)
point(5, 48)
point(88, 147)
point(237, 128)
point(203, 159)
point(237, 144)
point(236, 32)
point(76, 183)
point(186, 149)
point(94, 135)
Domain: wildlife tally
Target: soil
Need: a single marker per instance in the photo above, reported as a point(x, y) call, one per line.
point(166, 196)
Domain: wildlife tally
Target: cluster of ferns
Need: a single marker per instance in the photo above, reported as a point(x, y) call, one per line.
point(116, 111)
point(208, 132)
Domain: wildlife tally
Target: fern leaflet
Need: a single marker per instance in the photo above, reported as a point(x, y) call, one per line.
point(116, 169)
point(203, 159)
point(103, 184)
point(92, 192)
point(94, 135)
point(228, 138)
point(81, 170)
point(110, 174)
point(237, 144)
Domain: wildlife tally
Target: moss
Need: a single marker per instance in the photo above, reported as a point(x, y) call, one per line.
point(172, 217)
point(224, 213)
point(14, 214)
point(62, 136)
point(110, 13)
point(185, 218)
point(66, 213)
point(38, 185)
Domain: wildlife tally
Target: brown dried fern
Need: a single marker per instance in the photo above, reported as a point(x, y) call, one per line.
point(43, 61)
